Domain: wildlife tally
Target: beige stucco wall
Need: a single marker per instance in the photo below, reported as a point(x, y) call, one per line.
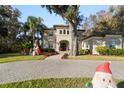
point(47, 39)
point(60, 37)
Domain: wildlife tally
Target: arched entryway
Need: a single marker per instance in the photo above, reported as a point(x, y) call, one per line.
point(64, 45)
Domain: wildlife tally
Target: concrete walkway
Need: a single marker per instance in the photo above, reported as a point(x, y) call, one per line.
point(54, 67)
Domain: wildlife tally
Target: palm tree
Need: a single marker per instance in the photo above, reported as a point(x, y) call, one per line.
point(40, 28)
point(32, 22)
point(24, 28)
point(70, 13)
point(36, 26)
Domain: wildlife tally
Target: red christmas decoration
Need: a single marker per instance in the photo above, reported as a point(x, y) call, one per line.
point(38, 51)
point(104, 68)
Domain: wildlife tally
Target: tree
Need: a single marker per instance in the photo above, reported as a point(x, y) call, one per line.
point(87, 24)
point(24, 28)
point(109, 20)
point(4, 16)
point(70, 13)
point(9, 26)
point(119, 15)
point(101, 21)
point(40, 29)
point(35, 25)
point(32, 22)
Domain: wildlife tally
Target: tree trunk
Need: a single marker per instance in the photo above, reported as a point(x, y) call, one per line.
point(33, 37)
point(75, 50)
point(42, 42)
point(74, 42)
point(42, 39)
point(25, 35)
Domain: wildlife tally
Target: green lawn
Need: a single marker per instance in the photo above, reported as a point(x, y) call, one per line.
point(54, 83)
point(12, 57)
point(93, 57)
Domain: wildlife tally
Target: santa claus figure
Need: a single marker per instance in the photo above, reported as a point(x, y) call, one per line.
point(38, 50)
point(103, 77)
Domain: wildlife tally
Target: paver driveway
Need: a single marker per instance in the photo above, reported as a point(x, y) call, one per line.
point(53, 67)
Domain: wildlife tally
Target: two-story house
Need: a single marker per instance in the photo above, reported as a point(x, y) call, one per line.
point(60, 38)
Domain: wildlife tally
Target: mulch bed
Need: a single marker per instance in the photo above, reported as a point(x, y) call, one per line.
point(65, 56)
point(46, 54)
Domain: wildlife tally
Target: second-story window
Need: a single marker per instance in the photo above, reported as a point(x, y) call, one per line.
point(50, 33)
point(64, 32)
point(60, 32)
point(68, 32)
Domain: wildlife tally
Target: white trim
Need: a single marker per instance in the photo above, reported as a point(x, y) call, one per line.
point(93, 37)
point(101, 37)
point(103, 73)
point(113, 36)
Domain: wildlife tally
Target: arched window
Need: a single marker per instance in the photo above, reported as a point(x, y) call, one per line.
point(68, 32)
point(60, 32)
point(64, 32)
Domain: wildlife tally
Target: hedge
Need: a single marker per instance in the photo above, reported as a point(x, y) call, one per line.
point(102, 50)
point(110, 51)
point(116, 52)
point(84, 51)
point(47, 50)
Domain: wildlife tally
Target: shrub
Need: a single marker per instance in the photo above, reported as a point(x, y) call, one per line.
point(26, 45)
point(81, 51)
point(47, 50)
point(116, 52)
point(87, 51)
point(102, 50)
point(112, 51)
point(84, 51)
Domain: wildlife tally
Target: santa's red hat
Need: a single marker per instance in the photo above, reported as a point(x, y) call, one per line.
point(104, 68)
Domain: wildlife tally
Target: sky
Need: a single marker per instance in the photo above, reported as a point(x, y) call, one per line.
point(53, 19)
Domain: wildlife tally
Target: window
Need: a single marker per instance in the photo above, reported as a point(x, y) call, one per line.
point(87, 46)
point(99, 42)
point(60, 32)
point(112, 43)
point(64, 32)
point(50, 44)
point(50, 33)
point(68, 32)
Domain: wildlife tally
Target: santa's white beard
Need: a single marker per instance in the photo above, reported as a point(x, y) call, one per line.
point(97, 81)
point(97, 84)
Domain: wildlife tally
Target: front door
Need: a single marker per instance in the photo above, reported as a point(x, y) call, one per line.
point(63, 46)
